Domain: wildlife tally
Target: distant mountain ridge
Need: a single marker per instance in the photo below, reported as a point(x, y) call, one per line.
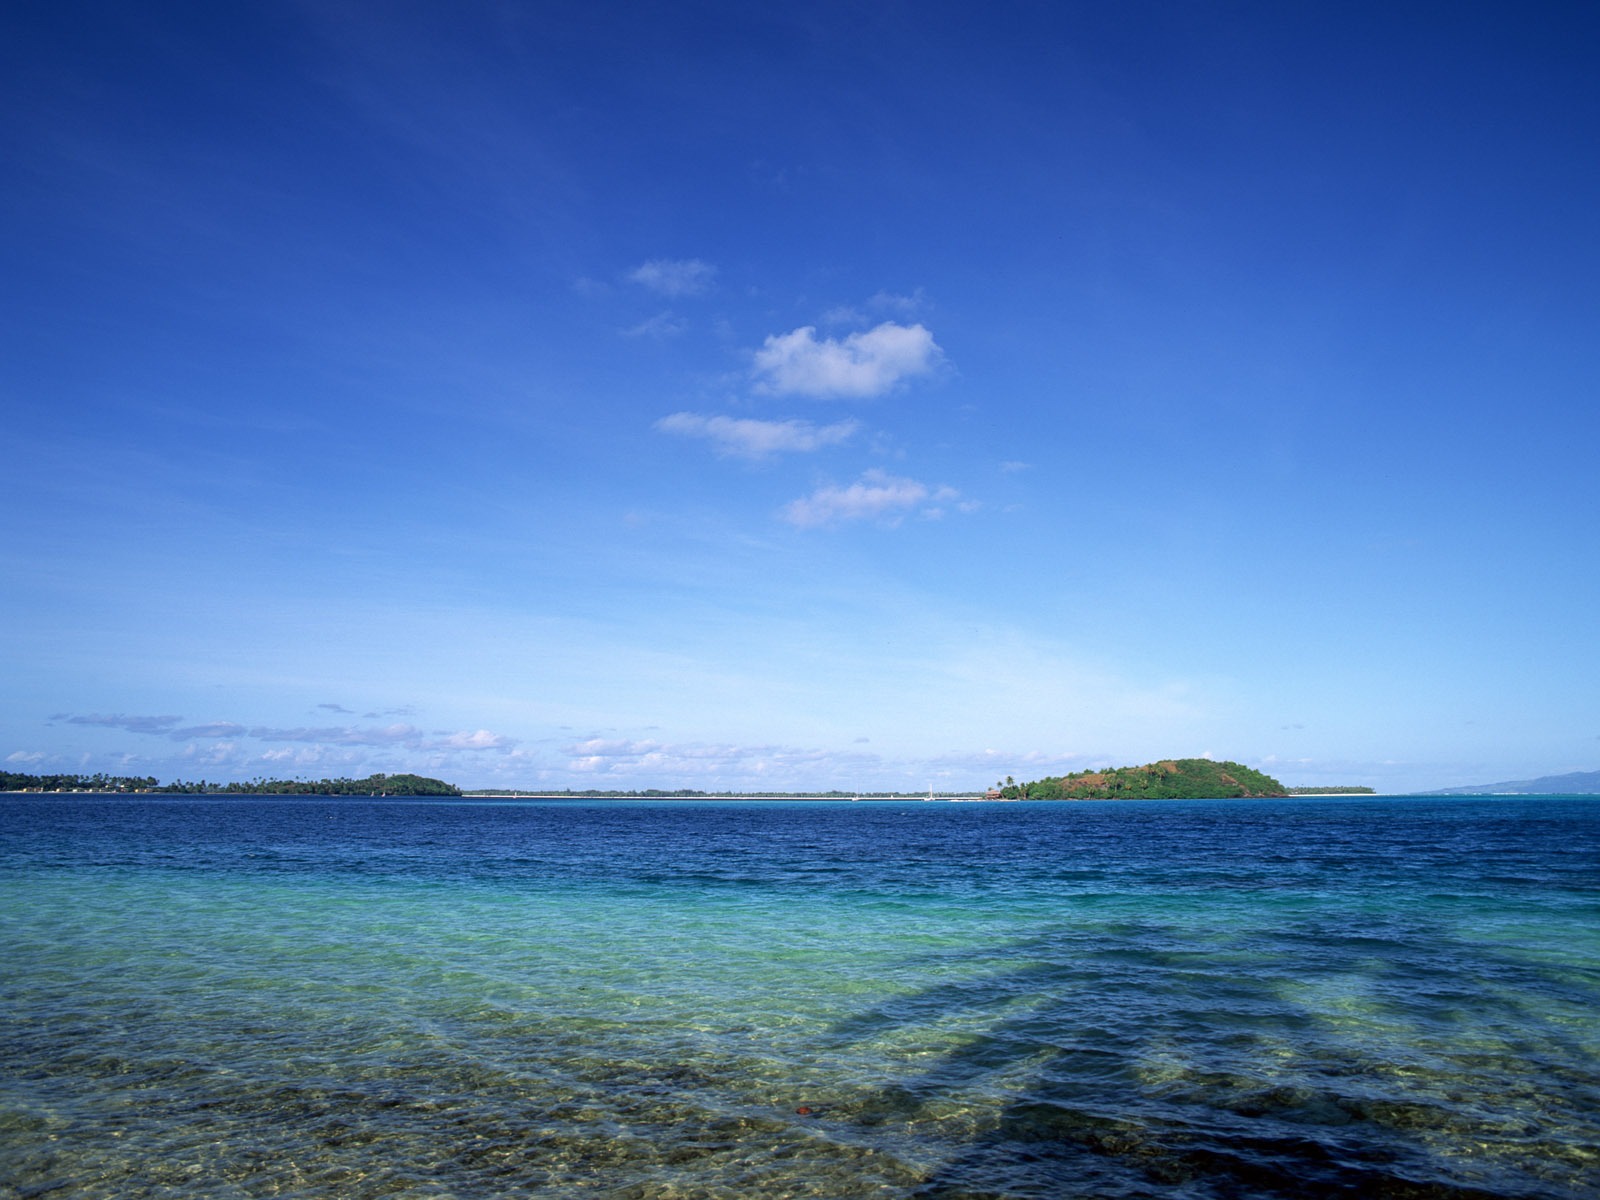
point(1573, 783)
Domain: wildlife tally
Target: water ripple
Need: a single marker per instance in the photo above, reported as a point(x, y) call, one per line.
point(309, 998)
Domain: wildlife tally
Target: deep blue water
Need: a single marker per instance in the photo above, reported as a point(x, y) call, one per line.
point(308, 997)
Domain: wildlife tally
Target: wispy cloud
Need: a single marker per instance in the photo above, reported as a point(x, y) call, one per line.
point(706, 764)
point(880, 303)
point(844, 314)
point(402, 735)
point(988, 762)
point(340, 735)
point(131, 724)
point(675, 277)
point(876, 496)
point(211, 729)
point(480, 739)
point(860, 365)
point(661, 326)
point(599, 749)
point(408, 736)
point(745, 437)
point(211, 754)
point(899, 302)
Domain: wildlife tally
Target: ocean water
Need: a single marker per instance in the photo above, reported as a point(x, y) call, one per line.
point(339, 998)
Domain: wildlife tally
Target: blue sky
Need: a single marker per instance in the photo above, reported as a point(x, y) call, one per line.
point(848, 396)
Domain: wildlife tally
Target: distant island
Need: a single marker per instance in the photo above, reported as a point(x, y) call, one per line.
point(372, 785)
point(1169, 779)
point(1574, 783)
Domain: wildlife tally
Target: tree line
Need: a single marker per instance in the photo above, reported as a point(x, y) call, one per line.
point(13, 781)
point(373, 785)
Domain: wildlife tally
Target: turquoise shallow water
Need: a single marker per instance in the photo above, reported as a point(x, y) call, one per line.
point(292, 997)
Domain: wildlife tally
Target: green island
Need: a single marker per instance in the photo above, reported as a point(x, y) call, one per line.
point(372, 785)
point(1169, 779)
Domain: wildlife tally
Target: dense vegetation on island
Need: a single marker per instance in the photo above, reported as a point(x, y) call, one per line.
point(14, 781)
point(1170, 779)
point(372, 785)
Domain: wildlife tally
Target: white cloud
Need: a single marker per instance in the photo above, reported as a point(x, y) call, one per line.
point(605, 748)
point(216, 754)
point(744, 437)
point(880, 302)
point(986, 763)
point(898, 303)
point(877, 495)
point(708, 765)
point(348, 735)
point(675, 277)
point(662, 325)
point(211, 729)
point(223, 733)
point(480, 739)
point(408, 736)
point(862, 364)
